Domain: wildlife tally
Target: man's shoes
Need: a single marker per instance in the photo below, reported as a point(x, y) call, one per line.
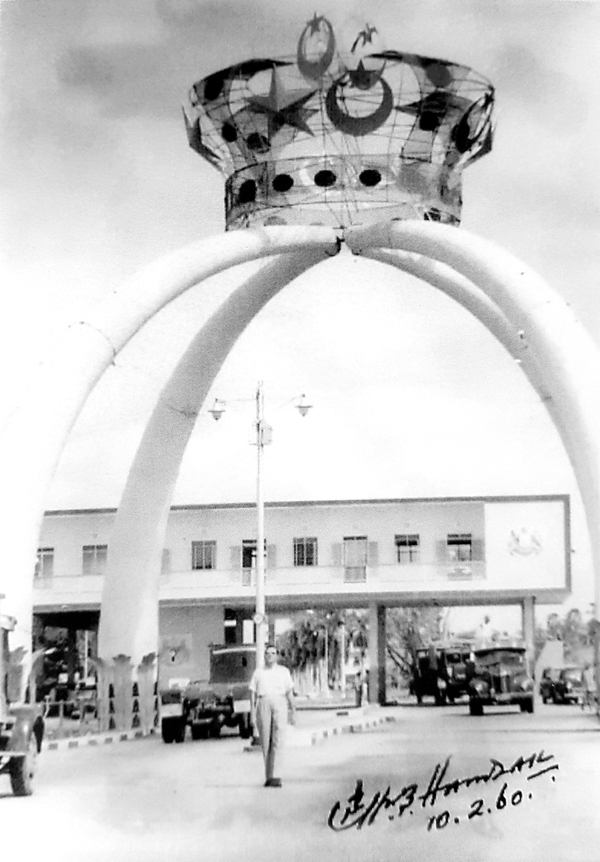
point(273, 782)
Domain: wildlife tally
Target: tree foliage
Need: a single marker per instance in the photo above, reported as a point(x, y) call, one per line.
point(311, 648)
point(576, 633)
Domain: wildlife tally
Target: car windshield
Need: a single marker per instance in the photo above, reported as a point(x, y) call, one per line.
point(500, 656)
point(456, 657)
point(232, 666)
point(572, 674)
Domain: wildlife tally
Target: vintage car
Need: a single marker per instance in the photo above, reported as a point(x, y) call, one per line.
point(440, 672)
point(208, 706)
point(21, 725)
point(499, 675)
point(569, 687)
point(547, 682)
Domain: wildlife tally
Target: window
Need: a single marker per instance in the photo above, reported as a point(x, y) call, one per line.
point(355, 558)
point(305, 552)
point(408, 548)
point(248, 553)
point(204, 555)
point(94, 559)
point(44, 564)
point(460, 547)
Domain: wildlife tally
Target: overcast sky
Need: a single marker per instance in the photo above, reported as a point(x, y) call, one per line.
point(412, 397)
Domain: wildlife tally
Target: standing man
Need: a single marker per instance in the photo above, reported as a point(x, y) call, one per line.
point(271, 698)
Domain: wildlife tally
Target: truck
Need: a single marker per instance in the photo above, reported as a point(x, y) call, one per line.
point(499, 675)
point(21, 724)
point(208, 706)
point(440, 671)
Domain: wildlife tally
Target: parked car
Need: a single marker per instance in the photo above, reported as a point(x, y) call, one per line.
point(569, 687)
point(547, 682)
point(457, 660)
point(207, 706)
point(440, 672)
point(21, 725)
point(499, 676)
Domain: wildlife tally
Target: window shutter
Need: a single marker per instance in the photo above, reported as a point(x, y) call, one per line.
point(442, 552)
point(336, 554)
point(236, 556)
point(477, 550)
point(271, 557)
point(372, 554)
point(165, 566)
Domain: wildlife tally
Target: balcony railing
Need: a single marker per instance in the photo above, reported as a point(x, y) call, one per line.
point(293, 580)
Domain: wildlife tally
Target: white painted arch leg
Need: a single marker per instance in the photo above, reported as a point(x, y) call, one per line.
point(30, 446)
point(565, 355)
point(129, 620)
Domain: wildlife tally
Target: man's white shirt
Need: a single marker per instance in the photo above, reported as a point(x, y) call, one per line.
point(271, 682)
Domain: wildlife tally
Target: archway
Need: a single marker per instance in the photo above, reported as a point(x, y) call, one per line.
point(560, 359)
point(503, 309)
point(31, 449)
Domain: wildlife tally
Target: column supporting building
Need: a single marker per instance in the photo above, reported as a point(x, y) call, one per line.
point(377, 652)
point(528, 627)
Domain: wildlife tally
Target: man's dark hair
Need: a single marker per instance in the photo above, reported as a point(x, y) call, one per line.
point(270, 646)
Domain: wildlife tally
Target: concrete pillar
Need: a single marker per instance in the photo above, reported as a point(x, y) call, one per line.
point(377, 653)
point(528, 628)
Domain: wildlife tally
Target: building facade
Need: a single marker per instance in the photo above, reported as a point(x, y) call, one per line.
point(350, 553)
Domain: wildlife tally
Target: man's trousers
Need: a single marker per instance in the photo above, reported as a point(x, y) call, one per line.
point(271, 717)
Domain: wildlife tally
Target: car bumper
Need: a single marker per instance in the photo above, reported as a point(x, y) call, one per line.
point(502, 697)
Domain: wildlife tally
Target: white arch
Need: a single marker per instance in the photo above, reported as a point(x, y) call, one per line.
point(138, 536)
point(34, 437)
point(129, 622)
point(566, 357)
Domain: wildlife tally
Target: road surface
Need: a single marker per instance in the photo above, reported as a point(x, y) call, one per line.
point(516, 787)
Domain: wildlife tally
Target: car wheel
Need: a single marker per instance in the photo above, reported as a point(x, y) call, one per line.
point(167, 731)
point(245, 726)
point(527, 705)
point(180, 728)
point(22, 770)
point(215, 730)
point(198, 731)
point(475, 707)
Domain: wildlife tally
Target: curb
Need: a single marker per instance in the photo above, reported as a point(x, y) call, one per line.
point(311, 735)
point(352, 727)
point(95, 739)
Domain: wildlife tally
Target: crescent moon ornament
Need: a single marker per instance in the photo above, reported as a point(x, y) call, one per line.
point(315, 69)
point(471, 127)
point(357, 126)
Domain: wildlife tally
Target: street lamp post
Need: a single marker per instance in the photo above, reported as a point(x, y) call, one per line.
point(262, 436)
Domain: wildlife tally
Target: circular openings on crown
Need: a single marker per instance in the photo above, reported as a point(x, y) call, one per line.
point(229, 132)
point(283, 183)
point(370, 177)
point(258, 143)
point(247, 192)
point(325, 179)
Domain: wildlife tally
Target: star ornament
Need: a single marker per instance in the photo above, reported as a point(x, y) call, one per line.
point(284, 107)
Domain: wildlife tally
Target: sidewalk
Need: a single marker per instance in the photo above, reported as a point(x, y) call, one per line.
point(314, 722)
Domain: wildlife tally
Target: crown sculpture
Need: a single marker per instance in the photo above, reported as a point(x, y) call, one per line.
point(341, 138)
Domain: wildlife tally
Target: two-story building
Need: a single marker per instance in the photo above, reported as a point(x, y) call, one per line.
point(337, 553)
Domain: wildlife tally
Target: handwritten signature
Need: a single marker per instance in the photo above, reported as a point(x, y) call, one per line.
point(359, 811)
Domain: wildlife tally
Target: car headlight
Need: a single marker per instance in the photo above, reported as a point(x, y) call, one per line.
point(480, 686)
point(526, 684)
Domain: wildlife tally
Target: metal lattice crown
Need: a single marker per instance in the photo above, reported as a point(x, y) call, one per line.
point(336, 138)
